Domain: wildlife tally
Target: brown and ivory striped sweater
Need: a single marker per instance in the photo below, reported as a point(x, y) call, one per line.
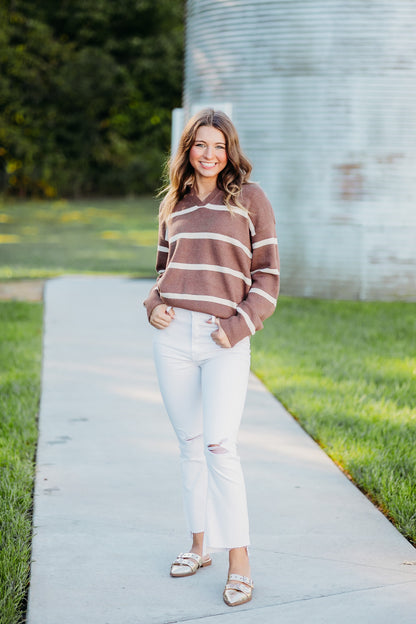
point(223, 264)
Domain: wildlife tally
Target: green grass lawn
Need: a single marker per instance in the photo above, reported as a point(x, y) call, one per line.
point(42, 239)
point(347, 372)
point(20, 363)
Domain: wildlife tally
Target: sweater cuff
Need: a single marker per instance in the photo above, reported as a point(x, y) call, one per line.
point(153, 300)
point(235, 328)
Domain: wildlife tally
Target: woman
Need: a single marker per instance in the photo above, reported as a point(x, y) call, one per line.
point(218, 280)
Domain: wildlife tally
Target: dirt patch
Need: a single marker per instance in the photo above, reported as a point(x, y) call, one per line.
point(22, 290)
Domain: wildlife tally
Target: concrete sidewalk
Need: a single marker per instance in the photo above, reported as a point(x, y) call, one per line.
point(108, 510)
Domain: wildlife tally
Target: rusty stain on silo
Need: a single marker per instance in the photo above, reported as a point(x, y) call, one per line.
point(389, 158)
point(350, 182)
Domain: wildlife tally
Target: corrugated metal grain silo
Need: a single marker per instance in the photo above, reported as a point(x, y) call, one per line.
point(323, 94)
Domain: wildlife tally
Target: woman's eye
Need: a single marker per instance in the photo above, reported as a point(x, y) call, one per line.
point(221, 147)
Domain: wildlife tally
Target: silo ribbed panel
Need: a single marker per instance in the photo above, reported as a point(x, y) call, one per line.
point(323, 95)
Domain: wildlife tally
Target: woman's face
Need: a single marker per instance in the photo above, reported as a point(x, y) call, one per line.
point(208, 155)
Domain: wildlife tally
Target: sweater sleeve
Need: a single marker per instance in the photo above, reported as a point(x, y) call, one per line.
point(153, 298)
point(261, 299)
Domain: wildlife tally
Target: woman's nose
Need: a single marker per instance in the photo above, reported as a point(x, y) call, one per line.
point(209, 151)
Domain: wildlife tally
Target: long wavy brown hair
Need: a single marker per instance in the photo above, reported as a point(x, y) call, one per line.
point(181, 174)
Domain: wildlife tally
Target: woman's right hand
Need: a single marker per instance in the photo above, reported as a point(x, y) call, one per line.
point(161, 316)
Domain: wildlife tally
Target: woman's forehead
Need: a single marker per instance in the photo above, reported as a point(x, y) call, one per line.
point(209, 134)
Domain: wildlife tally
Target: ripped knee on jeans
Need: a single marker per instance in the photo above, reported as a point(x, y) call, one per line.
point(217, 448)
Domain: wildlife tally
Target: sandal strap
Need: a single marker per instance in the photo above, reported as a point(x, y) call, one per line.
point(192, 560)
point(242, 579)
point(194, 556)
point(239, 587)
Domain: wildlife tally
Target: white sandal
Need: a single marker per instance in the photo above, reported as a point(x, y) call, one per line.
point(187, 564)
point(238, 590)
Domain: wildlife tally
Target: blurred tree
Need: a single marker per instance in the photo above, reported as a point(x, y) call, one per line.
point(86, 92)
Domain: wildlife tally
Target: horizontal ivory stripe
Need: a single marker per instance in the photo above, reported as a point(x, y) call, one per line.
point(239, 211)
point(220, 207)
point(163, 249)
point(271, 271)
point(247, 319)
point(212, 236)
point(265, 241)
point(209, 267)
point(188, 297)
point(264, 294)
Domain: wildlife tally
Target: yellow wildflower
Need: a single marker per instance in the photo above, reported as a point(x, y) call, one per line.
point(111, 235)
point(9, 238)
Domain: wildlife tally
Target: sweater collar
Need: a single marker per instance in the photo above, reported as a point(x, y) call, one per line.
point(208, 199)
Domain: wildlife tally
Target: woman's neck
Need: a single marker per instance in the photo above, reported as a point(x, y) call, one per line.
point(204, 187)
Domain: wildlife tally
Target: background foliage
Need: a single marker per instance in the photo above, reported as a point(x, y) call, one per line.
point(86, 92)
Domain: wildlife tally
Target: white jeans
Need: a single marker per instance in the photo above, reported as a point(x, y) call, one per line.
point(204, 388)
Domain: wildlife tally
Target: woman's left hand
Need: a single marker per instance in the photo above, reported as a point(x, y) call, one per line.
point(219, 336)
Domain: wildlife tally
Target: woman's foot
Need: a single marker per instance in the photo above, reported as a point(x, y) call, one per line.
point(238, 589)
point(188, 563)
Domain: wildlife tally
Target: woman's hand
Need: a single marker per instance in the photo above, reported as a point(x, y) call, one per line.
point(219, 336)
point(161, 316)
